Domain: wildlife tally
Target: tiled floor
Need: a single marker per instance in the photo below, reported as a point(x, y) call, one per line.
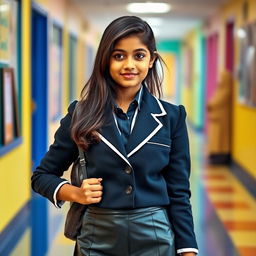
point(224, 211)
point(235, 207)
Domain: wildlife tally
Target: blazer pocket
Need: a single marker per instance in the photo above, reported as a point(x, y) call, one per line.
point(160, 141)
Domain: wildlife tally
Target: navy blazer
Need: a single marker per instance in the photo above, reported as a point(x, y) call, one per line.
point(153, 170)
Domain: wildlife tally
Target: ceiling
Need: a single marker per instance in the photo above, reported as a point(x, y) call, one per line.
point(184, 15)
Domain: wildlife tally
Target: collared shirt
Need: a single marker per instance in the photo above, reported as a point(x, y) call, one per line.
point(125, 121)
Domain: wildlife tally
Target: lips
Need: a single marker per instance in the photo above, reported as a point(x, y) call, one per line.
point(129, 75)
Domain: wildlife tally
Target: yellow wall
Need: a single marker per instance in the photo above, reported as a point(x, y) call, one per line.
point(192, 92)
point(169, 82)
point(15, 166)
point(81, 67)
point(187, 91)
point(244, 117)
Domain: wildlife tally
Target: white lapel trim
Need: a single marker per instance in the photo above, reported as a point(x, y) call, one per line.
point(160, 125)
point(114, 148)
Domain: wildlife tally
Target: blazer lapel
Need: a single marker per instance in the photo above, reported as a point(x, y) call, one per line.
point(147, 123)
point(109, 134)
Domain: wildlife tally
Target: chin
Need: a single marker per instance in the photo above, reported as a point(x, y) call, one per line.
point(129, 85)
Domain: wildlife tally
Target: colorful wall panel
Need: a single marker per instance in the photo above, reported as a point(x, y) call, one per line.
point(244, 116)
point(171, 51)
point(193, 78)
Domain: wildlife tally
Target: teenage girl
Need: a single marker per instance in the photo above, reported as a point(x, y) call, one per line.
point(137, 152)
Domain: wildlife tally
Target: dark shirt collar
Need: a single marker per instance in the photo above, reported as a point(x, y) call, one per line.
point(137, 99)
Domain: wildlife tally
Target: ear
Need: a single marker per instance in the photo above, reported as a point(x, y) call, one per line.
point(153, 59)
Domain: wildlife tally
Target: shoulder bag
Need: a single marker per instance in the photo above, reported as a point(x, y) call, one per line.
point(76, 211)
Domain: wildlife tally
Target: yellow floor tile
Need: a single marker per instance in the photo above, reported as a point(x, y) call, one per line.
point(229, 214)
point(243, 238)
point(227, 197)
point(218, 183)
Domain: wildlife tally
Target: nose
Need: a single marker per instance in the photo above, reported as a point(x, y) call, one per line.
point(129, 63)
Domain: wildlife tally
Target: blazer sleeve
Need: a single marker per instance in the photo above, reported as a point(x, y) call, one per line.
point(61, 154)
point(177, 178)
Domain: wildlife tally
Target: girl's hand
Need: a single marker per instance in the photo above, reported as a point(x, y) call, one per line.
point(90, 191)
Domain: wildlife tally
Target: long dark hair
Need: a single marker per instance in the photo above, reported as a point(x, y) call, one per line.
point(98, 93)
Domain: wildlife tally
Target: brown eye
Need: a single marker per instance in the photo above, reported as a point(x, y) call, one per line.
point(118, 56)
point(140, 56)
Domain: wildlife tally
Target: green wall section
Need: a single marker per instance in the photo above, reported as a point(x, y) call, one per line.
point(169, 46)
point(173, 47)
point(196, 97)
point(199, 80)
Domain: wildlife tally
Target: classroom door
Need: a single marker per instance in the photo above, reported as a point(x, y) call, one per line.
point(229, 63)
point(39, 49)
point(211, 69)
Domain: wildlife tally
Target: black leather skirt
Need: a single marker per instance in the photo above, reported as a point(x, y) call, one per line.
point(138, 232)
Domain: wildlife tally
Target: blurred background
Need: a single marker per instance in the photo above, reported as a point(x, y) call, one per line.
point(47, 51)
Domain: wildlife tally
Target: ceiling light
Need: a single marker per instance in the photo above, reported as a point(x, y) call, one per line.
point(241, 33)
point(4, 7)
point(148, 7)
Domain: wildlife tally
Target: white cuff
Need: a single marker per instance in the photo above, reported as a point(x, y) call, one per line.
point(187, 250)
point(59, 203)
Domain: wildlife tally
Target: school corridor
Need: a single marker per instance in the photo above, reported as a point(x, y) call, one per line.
point(47, 51)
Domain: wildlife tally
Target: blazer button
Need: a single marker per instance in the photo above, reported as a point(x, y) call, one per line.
point(128, 169)
point(128, 190)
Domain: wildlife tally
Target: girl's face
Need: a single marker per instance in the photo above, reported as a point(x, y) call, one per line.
point(130, 62)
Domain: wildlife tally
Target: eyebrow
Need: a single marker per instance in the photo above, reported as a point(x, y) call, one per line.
point(137, 50)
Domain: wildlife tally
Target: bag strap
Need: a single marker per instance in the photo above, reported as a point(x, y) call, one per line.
point(82, 163)
point(81, 156)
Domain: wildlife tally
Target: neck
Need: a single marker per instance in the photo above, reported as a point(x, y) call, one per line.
point(125, 96)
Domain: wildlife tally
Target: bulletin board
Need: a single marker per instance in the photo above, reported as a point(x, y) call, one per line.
point(5, 29)
point(247, 65)
point(9, 122)
point(10, 80)
point(56, 67)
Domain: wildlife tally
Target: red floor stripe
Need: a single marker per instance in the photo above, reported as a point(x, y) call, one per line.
point(215, 177)
point(221, 189)
point(241, 225)
point(247, 251)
